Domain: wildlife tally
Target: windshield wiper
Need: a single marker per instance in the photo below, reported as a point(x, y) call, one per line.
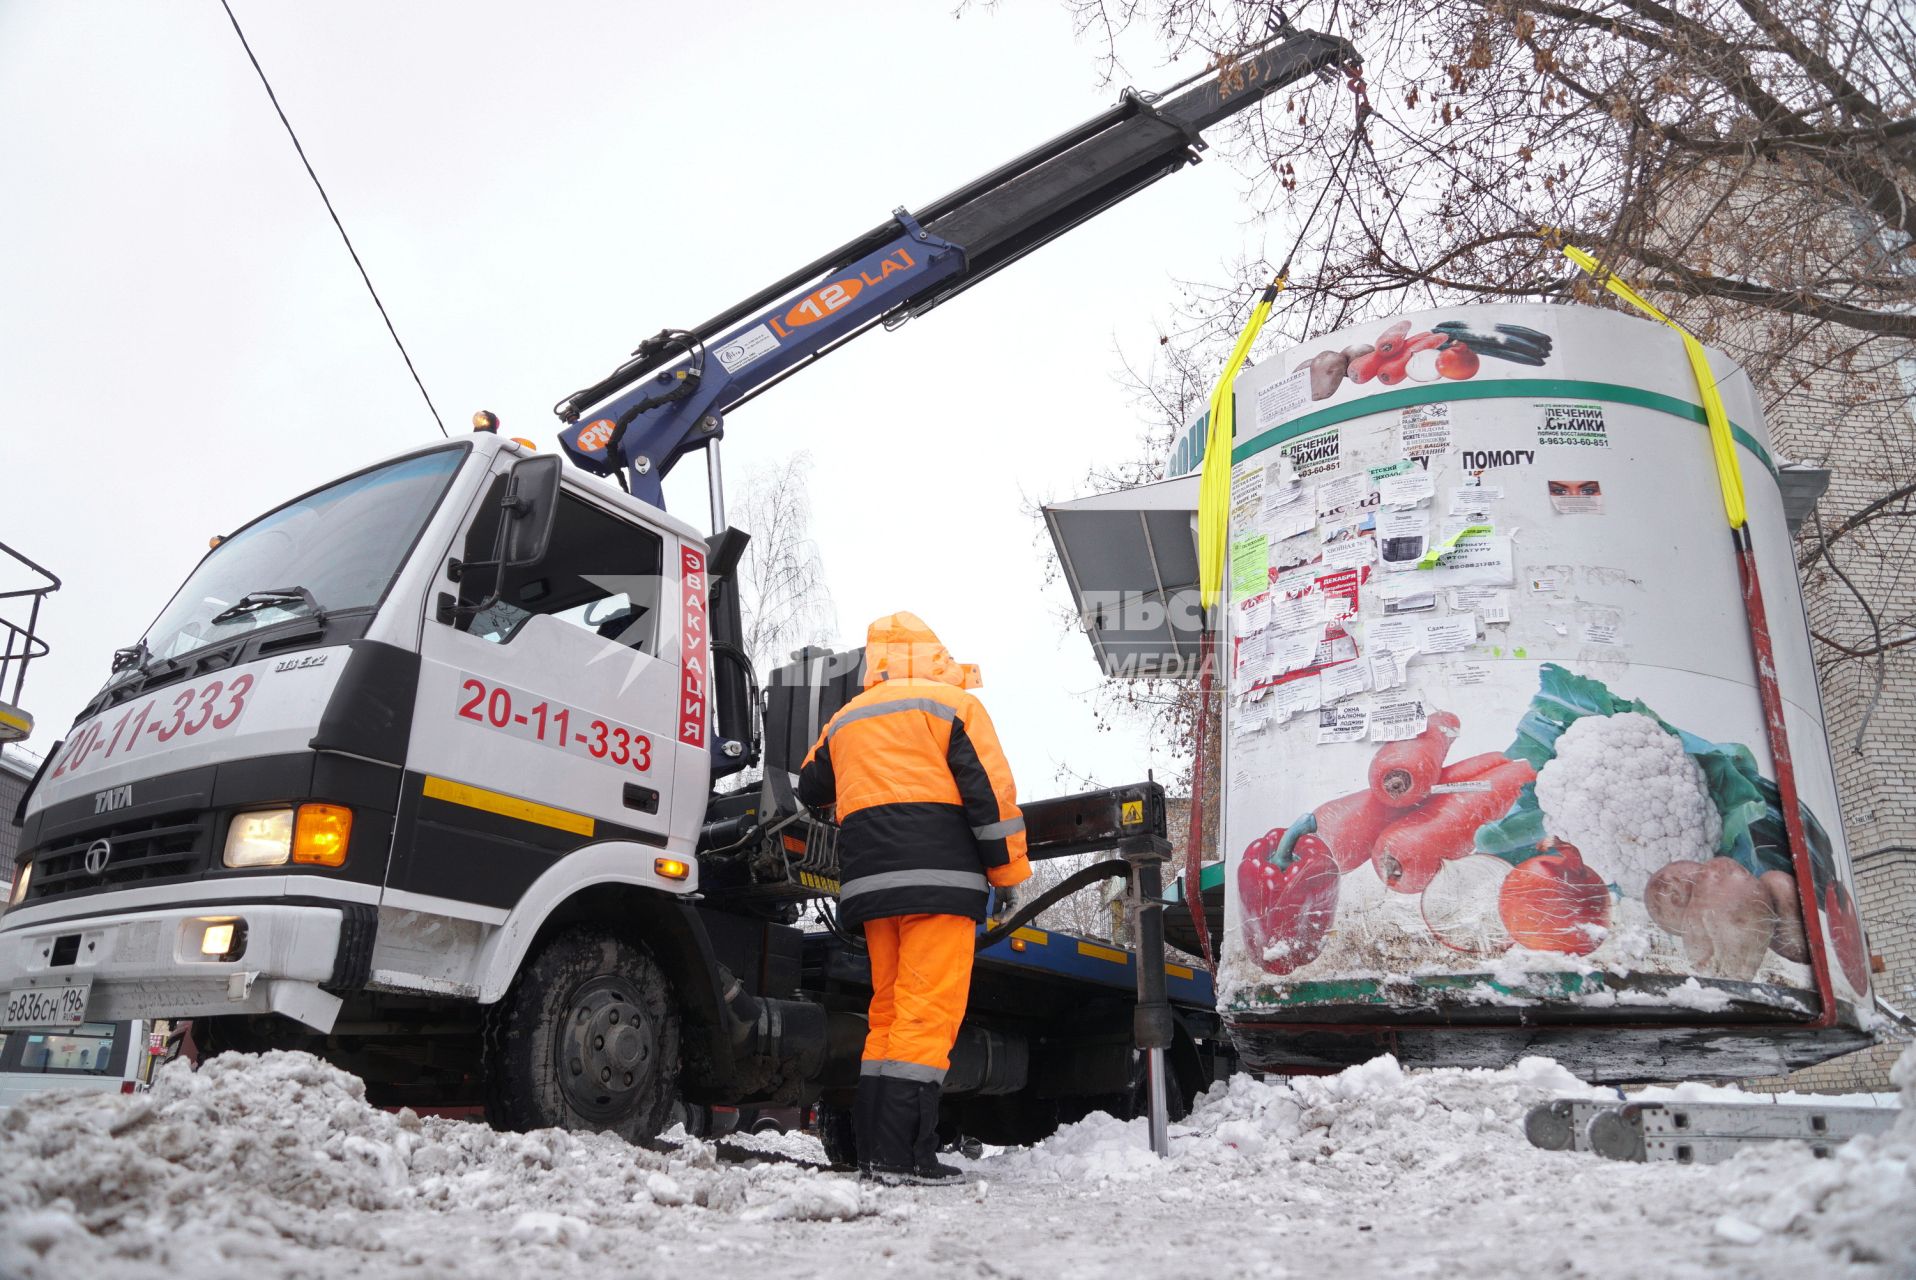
point(253, 601)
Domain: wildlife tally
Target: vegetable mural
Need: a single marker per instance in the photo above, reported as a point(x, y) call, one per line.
point(1597, 801)
point(1451, 350)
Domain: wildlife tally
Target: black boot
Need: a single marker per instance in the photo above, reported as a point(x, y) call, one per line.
point(885, 1147)
point(864, 1120)
point(925, 1167)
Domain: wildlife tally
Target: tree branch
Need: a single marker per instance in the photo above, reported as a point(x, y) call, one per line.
point(1856, 521)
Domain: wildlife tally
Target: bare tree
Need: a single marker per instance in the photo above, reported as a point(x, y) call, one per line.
point(783, 599)
point(1169, 390)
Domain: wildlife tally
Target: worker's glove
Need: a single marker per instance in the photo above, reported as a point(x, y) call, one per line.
point(1005, 901)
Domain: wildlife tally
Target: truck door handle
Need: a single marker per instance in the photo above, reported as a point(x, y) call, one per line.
point(644, 799)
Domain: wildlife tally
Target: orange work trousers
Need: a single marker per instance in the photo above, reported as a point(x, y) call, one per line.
point(921, 980)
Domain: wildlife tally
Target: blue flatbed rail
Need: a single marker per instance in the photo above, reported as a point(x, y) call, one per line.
point(1066, 955)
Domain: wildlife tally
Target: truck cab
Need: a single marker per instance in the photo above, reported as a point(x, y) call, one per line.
point(354, 749)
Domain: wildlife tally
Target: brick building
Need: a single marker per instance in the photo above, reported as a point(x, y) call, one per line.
point(1859, 424)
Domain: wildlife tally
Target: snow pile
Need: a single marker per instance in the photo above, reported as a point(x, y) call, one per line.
point(1860, 1203)
point(1374, 1113)
point(1439, 1157)
point(275, 1166)
point(215, 1171)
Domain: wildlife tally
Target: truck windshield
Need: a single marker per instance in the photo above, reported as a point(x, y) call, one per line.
point(342, 544)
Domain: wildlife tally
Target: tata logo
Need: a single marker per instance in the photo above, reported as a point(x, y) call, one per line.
point(112, 798)
point(98, 854)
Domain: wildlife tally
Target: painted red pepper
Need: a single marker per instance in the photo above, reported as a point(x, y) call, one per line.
point(1402, 773)
point(1288, 910)
point(1409, 851)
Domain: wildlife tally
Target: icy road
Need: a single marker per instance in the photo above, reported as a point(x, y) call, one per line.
point(275, 1166)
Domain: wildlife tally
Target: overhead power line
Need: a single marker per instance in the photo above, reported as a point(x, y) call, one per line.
point(321, 188)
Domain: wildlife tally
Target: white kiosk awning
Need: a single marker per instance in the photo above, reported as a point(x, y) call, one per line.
point(1130, 559)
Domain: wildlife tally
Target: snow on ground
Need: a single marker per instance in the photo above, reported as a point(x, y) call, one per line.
point(275, 1166)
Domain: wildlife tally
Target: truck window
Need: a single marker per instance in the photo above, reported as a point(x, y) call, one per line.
point(85, 1050)
point(343, 543)
point(600, 573)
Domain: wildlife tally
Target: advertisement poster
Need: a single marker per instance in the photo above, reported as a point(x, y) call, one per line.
point(1525, 741)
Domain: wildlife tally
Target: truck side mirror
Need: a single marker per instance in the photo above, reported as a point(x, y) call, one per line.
point(527, 511)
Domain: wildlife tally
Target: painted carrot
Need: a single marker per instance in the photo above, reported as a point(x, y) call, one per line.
point(1473, 768)
point(1349, 826)
point(1409, 851)
point(1402, 773)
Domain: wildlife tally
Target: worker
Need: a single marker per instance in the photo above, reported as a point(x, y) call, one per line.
point(928, 828)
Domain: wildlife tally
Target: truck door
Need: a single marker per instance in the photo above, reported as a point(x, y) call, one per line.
point(545, 711)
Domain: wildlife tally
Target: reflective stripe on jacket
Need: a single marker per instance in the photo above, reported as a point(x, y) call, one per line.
point(927, 809)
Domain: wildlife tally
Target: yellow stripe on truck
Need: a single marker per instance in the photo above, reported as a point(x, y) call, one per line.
point(1097, 952)
point(507, 806)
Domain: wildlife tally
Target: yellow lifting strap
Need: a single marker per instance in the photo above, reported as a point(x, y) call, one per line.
point(1214, 483)
point(1729, 475)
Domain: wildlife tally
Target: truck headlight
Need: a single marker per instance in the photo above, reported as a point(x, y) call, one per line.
point(316, 834)
point(21, 876)
point(260, 838)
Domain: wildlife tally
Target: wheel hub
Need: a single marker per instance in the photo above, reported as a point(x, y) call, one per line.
point(606, 1048)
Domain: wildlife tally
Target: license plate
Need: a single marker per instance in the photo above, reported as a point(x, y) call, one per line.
point(46, 1006)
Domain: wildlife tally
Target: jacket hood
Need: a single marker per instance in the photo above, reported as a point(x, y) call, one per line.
point(900, 645)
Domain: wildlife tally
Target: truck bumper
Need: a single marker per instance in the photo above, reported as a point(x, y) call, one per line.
point(148, 964)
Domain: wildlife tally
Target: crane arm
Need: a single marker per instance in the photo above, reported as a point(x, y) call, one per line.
point(673, 395)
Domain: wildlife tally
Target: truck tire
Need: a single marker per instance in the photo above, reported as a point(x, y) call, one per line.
point(587, 1037)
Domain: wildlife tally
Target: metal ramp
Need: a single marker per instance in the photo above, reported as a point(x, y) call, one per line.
point(1695, 1132)
point(19, 645)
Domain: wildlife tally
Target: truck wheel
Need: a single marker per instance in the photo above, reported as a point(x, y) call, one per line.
point(837, 1136)
point(587, 1037)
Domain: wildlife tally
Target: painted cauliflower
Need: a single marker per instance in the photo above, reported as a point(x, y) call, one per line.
point(1623, 790)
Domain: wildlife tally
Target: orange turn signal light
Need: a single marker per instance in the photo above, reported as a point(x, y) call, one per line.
point(671, 868)
point(321, 833)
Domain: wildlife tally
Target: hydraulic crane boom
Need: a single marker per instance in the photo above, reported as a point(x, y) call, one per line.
point(673, 395)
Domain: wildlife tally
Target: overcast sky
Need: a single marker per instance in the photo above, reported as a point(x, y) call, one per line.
point(184, 341)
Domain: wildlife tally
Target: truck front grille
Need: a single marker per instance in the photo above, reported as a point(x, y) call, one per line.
point(165, 848)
